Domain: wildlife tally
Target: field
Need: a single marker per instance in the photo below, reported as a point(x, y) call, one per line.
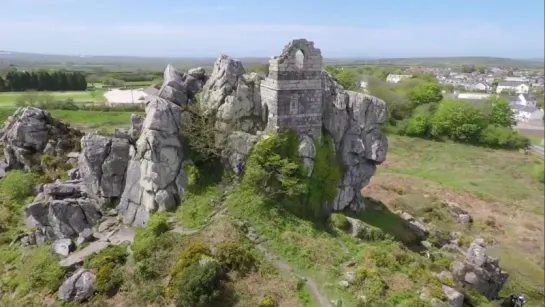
point(9, 99)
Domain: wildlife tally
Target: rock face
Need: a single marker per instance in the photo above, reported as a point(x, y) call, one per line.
point(102, 166)
point(233, 98)
point(480, 271)
point(78, 287)
point(155, 179)
point(31, 132)
point(353, 120)
point(298, 94)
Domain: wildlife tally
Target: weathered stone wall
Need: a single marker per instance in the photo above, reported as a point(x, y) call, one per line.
point(292, 92)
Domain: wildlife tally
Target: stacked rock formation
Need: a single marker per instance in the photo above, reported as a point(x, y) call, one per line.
point(155, 178)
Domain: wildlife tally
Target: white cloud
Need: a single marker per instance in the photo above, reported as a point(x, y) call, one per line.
point(448, 39)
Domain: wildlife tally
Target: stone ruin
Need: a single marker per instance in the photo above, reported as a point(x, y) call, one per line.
point(292, 93)
point(140, 170)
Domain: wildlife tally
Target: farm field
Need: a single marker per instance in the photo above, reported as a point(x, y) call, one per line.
point(10, 99)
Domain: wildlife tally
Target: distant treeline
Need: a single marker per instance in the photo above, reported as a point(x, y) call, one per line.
point(20, 81)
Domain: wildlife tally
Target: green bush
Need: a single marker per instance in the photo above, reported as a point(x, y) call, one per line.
point(16, 186)
point(234, 257)
point(503, 137)
point(275, 169)
point(458, 120)
point(340, 221)
point(36, 271)
point(108, 264)
point(109, 278)
point(436, 288)
point(191, 255)
point(158, 224)
point(198, 285)
point(326, 175)
point(115, 254)
point(267, 302)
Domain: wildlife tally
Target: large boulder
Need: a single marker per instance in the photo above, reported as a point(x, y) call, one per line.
point(233, 97)
point(155, 178)
point(480, 271)
point(78, 287)
point(353, 120)
point(31, 132)
point(102, 166)
point(62, 218)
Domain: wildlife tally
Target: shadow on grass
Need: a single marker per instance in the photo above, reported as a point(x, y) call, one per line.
point(378, 215)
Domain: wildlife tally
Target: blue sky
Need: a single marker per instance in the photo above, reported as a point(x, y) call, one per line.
point(240, 28)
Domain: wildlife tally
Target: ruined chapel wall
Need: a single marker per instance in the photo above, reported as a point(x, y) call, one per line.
point(293, 93)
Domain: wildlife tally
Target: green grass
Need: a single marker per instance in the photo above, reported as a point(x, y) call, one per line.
point(487, 173)
point(9, 99)
point(80, 117)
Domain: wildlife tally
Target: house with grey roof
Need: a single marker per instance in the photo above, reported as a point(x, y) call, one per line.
point(512, 86)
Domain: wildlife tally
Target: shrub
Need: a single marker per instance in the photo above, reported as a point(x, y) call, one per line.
point(326, 175)
point(157, 224)
point(115, 254)
point(458, 120)
point(267, 302)
point(340, 221)
point(16, 186)
point(198, 285)
point(36, 271)
point(108, 279)
point(108, 264)
point(442, 263)
point(234, 257)
point(369, 233)
point(191, 255)
point(503, 137)
point(436, 288)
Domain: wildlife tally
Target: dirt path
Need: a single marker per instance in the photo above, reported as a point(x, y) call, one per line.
point(281, 265)
point(262, 247)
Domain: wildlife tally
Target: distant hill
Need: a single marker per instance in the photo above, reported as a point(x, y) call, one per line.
point(122, 63)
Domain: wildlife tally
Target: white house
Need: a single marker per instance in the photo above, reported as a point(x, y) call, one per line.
point(526, 113)
point(515, 86)
point(527, 99)
point(396, 78)
point(481, 86)
point(517, 79)
point(480, 96)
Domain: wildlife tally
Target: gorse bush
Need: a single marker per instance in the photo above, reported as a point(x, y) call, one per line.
point(198, 285)
point(191, 255)
point(108, 267)
point(233, 256)
point(275, 169)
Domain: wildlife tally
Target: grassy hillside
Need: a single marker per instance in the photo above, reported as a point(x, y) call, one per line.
point(275, 249)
